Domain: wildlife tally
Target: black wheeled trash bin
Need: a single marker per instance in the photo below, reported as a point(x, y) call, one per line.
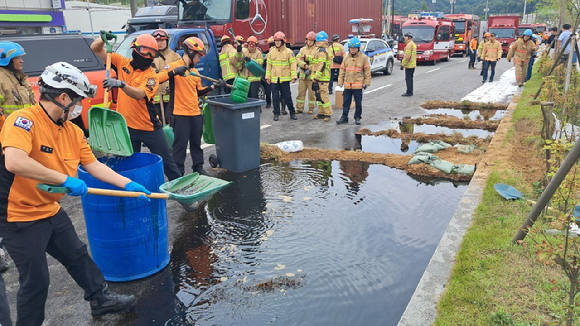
point(236, 129)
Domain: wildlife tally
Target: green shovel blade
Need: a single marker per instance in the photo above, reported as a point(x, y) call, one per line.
point(108, 132)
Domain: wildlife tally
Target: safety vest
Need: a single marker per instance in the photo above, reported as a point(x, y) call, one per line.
point(160, 63)
point(321, 63)
point(410, 58)
point(521, 50)
point(355, 71)
point(255, 56)
point(228, 62)
point(305, 57)
point(281, 65)
point(473, 44)
point(15, 91)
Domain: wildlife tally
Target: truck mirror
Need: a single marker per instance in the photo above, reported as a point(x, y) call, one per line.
point(438, 37)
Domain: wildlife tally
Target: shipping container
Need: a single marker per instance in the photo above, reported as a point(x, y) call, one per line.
point(262, 18)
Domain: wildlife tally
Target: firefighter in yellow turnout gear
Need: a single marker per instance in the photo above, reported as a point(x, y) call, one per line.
point(251, 53)
point(304, 60)
point(521, 52)
point(321, 76)
point(167, 56)
point(15, 90)
point(228, 62)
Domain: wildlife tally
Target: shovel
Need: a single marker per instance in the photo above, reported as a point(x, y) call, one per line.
point(108, 131)
point(510, 193)
point(167, 130)
point(185, 190)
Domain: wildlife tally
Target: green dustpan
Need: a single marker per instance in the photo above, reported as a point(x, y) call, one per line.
point(108, 132)
point(193, 187)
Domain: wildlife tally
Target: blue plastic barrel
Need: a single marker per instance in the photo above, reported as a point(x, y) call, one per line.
point(127, 236)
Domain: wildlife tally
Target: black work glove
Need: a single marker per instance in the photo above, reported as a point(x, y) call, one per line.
point(402, 68)
point(107, 36)
point(221, 83)
point(109, 83)
point(179, 71)
point(239, 48)
point(247, 59)
point(315, 86)
point(364, 87)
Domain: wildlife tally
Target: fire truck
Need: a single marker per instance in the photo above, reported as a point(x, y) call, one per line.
point(505, 28)
point(466, 28)
point(433, 36)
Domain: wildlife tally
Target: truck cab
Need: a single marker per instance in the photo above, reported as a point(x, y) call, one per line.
point(466, 28)
point(152, 18)
point(433, 36)
point(505, 27)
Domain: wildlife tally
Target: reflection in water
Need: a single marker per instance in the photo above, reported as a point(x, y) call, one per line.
point(471, 114)
point(303, 231)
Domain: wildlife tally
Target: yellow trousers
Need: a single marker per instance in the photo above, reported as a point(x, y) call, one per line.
point(324, 108)
point(521, 70)
point(303, 86)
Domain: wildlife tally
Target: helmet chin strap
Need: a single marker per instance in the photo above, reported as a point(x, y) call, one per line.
point(66, 108)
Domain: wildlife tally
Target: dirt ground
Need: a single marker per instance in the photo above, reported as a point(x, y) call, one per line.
point(453, 122)
point(465, 105)
point(455, 138)
point(271, 152)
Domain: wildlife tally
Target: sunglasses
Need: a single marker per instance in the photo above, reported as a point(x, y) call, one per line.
point(146, 51)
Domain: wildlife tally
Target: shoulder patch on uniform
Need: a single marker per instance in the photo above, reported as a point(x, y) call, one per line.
point(24, 123)
point(166, 67)
point(151, 81)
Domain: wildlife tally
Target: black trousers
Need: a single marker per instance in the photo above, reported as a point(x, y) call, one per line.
point(155, 141)
point(188, 129)
point(4, 306)
point(229, 82)
point(409, 72)
point(254, 89)
point(268, 89)
point(28, 243)
point(168, 113)
point(281, 91)
point(333, 74)
point(347, 100)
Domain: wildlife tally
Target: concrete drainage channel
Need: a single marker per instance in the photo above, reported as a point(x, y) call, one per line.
point(422, 308)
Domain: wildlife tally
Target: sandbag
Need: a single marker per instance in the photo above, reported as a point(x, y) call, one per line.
point(422, 158)
point(442, 165)
point(432, 147)
point(465, 149)
point(291, 146)
point(466, 169)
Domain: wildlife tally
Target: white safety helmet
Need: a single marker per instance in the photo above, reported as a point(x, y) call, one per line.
point(62, 75)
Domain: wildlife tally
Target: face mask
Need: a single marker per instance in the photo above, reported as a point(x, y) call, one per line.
point(140, 62)
point(75, 112)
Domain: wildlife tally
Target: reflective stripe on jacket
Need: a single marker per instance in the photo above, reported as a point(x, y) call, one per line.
point(255, 56)
point(355, 71)
point(228, 62)
point(491, 51)
point(305, 57)
point(281, 65)
point(410, 57)
point(15, 91)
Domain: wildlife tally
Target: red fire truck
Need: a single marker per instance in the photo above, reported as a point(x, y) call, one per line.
point(433, 36)
point(505, 28)
point(466, 28)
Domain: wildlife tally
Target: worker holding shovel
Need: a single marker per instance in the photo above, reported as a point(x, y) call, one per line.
point(138, 83)
point(184, 91)
point(40, 144)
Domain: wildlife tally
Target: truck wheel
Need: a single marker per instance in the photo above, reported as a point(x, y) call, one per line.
point(213, 161)
point(433, 62)
point(446, 59)
point(389, 68)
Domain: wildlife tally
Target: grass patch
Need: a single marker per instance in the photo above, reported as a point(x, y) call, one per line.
point(494, 282)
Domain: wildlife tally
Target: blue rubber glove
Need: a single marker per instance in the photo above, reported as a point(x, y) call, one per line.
point(77, 186)
point(134, 186)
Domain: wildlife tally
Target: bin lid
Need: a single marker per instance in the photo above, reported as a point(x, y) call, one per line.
point(228, 103)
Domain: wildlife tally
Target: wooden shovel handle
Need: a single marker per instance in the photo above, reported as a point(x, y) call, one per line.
point(108, 75)
point(122, 193)
point(209, 78)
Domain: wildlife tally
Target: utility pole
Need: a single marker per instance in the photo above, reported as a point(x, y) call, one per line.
point(524, 17)
point(133, 4)
point(388, 22)
point(486, 9)
point(90, 17)
point(452, 2)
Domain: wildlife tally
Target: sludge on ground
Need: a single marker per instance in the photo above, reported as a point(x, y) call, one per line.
point(465, 105)
point(453, 122)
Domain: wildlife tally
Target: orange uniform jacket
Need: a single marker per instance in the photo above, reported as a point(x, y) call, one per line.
point(183, 90)
point(140, 114)
point(58, 147)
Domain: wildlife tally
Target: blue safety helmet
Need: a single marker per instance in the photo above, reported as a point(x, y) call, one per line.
point(9, 50)
point(321, 37)
point(528, 32)
point(354, 43)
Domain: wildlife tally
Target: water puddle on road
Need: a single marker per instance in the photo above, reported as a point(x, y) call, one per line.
point(387, 145)
point(430, 129)
point(319, 243)
point(484, 115)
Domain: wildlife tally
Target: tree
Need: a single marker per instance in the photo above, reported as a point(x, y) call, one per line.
point(424, 6)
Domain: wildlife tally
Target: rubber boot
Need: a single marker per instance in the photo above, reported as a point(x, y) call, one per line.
point(327, 118)
point(319, 116)
point(107, 301)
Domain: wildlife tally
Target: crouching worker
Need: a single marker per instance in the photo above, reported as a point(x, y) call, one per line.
point(41, 145)
point(184, 92)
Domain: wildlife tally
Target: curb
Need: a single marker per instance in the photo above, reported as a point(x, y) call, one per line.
point(422, 308)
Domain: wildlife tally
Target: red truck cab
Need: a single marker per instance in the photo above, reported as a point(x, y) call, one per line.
point(505, 27)
point(466, 28)
point(434, 38)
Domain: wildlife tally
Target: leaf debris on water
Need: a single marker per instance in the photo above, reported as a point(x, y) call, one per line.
point(279, 267)
point(307, 198)
point(269, 233)
point(290, 274)
point(223, 278)
point(299, 270)
point(286, 199)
